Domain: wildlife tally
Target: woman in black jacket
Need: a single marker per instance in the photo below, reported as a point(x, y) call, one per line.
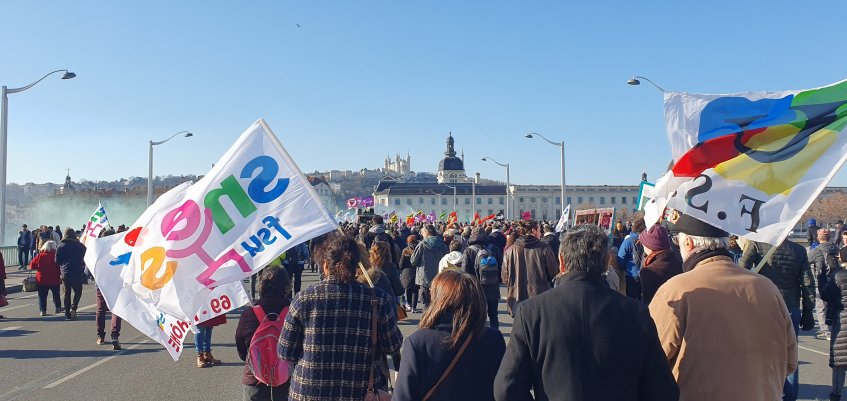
point(834, 293)
point(407, 274)
point(275, 294)
point(452, 328)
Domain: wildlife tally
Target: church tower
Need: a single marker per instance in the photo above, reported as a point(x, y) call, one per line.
point(451, 169)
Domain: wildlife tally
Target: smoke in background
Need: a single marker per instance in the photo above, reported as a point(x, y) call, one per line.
point(71, 211)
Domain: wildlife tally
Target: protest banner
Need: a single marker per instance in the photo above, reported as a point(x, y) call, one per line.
point(182, 252)
point(602, 218)
point(751, 163)
point(564, 219)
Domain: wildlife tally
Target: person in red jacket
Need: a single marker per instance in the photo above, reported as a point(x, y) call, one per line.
point(47, 276)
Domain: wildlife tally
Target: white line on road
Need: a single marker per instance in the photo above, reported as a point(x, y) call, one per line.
point(94, 365)
point(17, 307)
point(813, 350)
point(11, 328)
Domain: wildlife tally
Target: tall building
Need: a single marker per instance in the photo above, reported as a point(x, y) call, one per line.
point(398, 167)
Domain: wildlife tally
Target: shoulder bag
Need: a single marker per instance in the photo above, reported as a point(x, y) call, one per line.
point(446, 373)
point(373, 394)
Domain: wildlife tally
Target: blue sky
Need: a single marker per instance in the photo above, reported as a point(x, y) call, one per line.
point(360, 80)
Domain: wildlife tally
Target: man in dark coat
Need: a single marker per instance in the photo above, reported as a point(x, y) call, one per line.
point(565, 343)
point(550, 238)
point(660, 264)
point(69, 257)
point(823, 260)
point(788, 268)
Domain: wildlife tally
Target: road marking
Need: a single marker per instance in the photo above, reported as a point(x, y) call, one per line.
point(94, 365)
point(17, 307)
point(813, 350)
point(11, 328)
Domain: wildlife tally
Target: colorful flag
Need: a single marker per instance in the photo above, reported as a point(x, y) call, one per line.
point(198, 241)
point(430, 218)
point(95, 224)
point(527, 215)
point(352, 202)
point(564, 219)
point(452, 218)
point(475, 218)
point(751, 163)
point(442, 216)
point(486, 218)
point(367, 201)
point(393, 218)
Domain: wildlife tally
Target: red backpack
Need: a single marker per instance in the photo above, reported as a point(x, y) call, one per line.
point(262, 357)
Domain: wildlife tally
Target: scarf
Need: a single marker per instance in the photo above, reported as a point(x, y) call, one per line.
point(698, 257)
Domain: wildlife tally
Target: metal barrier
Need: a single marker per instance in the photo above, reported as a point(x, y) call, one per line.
point(10, 255)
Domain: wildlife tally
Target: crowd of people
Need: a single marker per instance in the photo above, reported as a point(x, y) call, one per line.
point(659, 312)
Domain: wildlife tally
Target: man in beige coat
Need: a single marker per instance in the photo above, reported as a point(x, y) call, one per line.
point(725, 330)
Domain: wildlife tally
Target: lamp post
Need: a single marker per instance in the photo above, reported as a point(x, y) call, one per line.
point(508, 184)
point(150, 164)
point(561, 145)
point(4, 125)
point(635, 80)
point(437, 197)
point(454, 196)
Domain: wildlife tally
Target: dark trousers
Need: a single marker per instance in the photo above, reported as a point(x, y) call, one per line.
point(425, 296)
point(100, 318)
point(295, 271)
point(492, 301)
point(412, 296)
point(253, 287)
point(23, 257)
point(76, 286)
point(262, 392)
point(633, 287)
point(42, 297)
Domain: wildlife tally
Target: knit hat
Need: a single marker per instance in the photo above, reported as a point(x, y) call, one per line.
point(683, 223)
point(656, 238)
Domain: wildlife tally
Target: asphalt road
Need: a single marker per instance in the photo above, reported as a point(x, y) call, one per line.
point(52, 359)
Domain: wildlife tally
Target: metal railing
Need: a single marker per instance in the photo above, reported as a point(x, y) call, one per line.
point(10, 255)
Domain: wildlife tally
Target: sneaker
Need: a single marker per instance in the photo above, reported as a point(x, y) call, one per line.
point(822, 336)
point(43, 313)
point(100, 340)
point(73, 315)
point(116, 345)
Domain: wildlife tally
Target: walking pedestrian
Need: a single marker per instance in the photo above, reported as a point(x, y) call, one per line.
point(407, 274)
point(426, 258)
point(203, 341)
point(726, 332)
point(581, 340)
point(453, 356)
point(823, 259)
point(629, 258)
point(69, 257)
point(328, 331)
point(529, 266)
point(47, 277)
point(25, 245)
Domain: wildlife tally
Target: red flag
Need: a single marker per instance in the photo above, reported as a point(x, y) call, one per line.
point(410, 221)
point(527, 215)
point(475, 218)
point(451, 218)
point(486, 218)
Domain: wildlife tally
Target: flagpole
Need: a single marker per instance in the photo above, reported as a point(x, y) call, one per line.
point(765, 259)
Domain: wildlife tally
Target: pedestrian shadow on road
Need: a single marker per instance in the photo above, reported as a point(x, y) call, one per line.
point(814, 392)
point(43, 354)
point(15, 333)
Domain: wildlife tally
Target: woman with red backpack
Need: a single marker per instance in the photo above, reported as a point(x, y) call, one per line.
point(275, 295)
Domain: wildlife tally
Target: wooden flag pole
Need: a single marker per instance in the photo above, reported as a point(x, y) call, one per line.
point(765, 259)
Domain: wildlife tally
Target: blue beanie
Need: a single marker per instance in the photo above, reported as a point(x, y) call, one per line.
point(813, 222)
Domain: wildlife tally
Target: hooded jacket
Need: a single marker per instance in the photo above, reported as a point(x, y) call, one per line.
point(426, 257)
point(529, 267)
point(453, 258)
point(69, 257)
point(475, 244)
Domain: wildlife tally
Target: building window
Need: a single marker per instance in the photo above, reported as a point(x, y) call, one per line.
point(490, 212)
point(490, 202)
point(531, 199)
point(623, 200)
point(569, 200)
point(467, 201)
point(634, 200)
point(612, 198)
point(408, 201)
point(501, 200)
point(579, 200)
point(420, 200)
point(397, 201)
point(431, 201)
point(558, 200)
point(558, 214)
point(590, 199)
point(521, 199)
point(478, 201)
point(543, 199)
point(602, 200)
point(443, 201)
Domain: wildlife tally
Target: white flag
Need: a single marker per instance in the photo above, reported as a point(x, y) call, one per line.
point(95, 224)
point(563, 221)
point(253, 205)
point(751, 163)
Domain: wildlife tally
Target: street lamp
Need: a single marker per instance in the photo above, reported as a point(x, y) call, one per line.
point(150, 164)
point(635, 81)
point(454, 196)
point(437, 197)
point(508, 184)
point(562, 146)
point(4, 125)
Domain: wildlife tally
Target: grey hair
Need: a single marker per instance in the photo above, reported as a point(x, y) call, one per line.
point(706, 243)
point(48, 246)
point(585, 248)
